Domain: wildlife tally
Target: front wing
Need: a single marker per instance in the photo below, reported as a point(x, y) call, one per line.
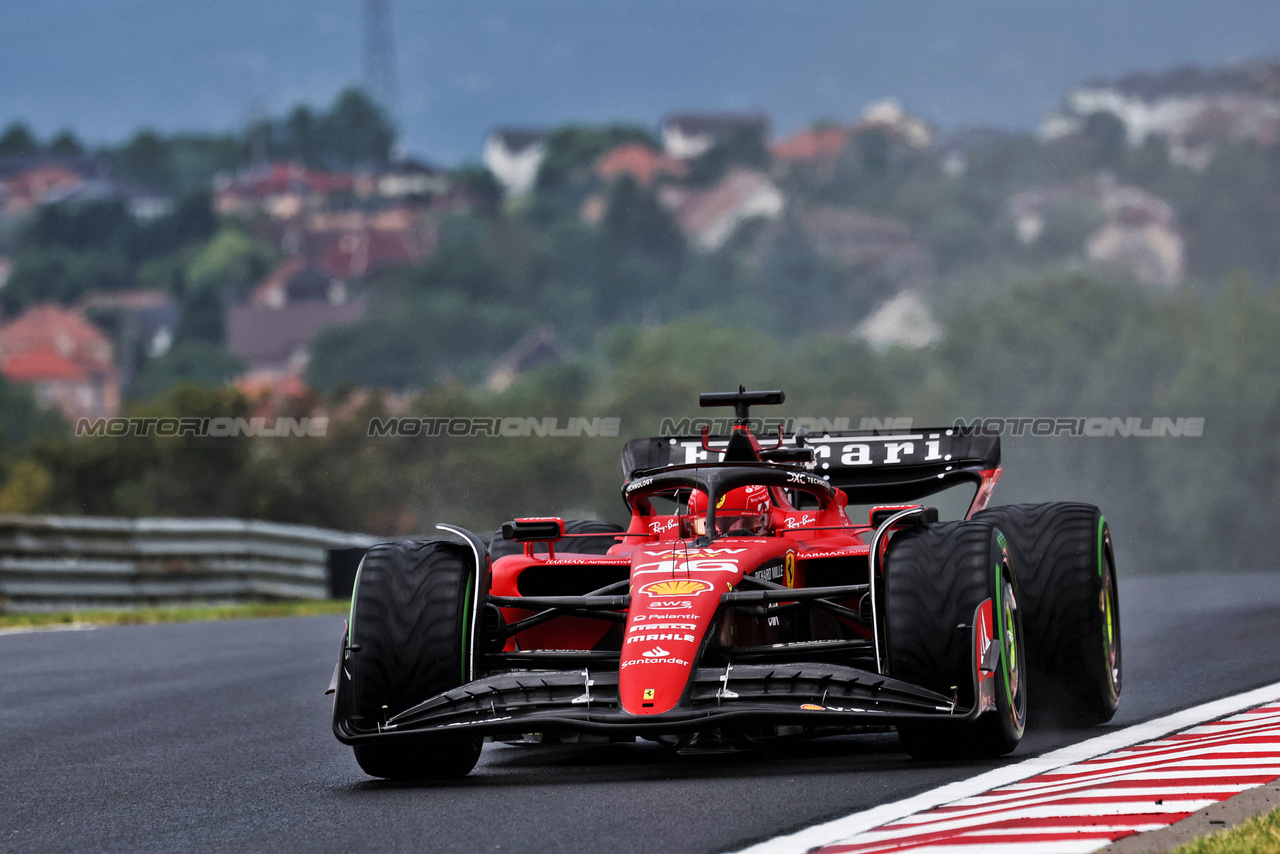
point(735, 696)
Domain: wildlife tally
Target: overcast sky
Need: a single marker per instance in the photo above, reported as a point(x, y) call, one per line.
point(105, 69)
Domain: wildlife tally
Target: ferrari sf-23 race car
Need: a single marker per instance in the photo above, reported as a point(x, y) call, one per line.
point(796, 587)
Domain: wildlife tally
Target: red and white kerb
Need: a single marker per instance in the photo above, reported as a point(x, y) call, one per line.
point(1088, 805)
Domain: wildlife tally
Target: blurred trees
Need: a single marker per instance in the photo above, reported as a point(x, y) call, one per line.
point(17, 139)
point(70, 250)
point(1067, 346)
point(744, 146)
point(643, 321)
point(567, 175)
point(353, 133)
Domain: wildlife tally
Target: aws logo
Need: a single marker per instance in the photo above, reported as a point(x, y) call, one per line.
point(676, 587)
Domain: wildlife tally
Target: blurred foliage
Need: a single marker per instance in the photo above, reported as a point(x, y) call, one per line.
point(22, 418)
point(189, 360)
point(26, 487)
point(18, 140)
point(643, 321)
point(71, 250)
point(1065, 345)
point(567, 175)
point(352, 133)
point(745, 146)
point(230, 265)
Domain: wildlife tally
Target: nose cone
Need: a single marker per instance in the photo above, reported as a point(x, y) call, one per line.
point(665, 628)
point(675, 593)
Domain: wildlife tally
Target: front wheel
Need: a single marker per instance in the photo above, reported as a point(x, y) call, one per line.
point(410, 639)
point(937, 578)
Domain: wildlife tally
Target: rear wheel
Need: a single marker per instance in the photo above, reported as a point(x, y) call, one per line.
point(1066, 571)
point(410, 639)
point(936, 577)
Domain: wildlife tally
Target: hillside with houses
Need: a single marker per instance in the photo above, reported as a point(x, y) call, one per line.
point(298, 260)
point(307, 266)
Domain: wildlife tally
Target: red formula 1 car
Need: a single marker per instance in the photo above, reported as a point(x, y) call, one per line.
point(759, 592)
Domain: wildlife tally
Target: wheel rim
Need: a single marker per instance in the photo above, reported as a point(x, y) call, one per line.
point(1012, 651)
point(1111, 628)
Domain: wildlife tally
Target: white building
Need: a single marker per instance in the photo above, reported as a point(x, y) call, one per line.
point(514, 157)
point(688, 136)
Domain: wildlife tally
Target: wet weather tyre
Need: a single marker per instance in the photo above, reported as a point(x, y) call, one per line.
point(501, 547)
point(935, 579)
point(410, 639)
point(1071, 608)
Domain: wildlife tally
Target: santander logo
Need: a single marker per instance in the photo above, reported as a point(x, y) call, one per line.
point(656, 652)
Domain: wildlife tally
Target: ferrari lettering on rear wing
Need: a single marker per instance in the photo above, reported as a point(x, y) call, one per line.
point(908, 464)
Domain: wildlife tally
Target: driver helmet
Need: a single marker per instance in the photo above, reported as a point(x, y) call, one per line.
point(744, 511)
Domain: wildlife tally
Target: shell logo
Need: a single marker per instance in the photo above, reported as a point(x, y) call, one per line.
point(676, 587)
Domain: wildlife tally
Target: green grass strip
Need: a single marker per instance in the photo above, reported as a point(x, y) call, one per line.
point(1259, 835)
point(177, 614)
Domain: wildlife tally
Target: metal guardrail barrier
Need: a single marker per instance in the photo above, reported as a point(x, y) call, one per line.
point(62, 563)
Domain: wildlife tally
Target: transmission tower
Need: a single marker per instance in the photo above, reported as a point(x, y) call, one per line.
point(380, 57)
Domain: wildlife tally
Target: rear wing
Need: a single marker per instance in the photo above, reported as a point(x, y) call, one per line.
point(870, 466)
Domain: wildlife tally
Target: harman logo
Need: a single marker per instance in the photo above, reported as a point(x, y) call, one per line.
point(676, 587)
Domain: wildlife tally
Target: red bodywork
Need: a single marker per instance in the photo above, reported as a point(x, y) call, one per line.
point(672, 634)
point(675, 588)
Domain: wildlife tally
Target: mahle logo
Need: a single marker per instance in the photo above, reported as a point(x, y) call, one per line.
point(676, 587)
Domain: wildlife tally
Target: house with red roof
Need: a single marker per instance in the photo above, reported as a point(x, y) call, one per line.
point(64, 358)
point(811, 144)
point(29, 188)
point(281, 190)
point(641, 162)
point(351, 244)
point(813, 151)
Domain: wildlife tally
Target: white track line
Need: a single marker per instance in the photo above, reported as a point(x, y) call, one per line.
point(57, 627)
point(840, 829)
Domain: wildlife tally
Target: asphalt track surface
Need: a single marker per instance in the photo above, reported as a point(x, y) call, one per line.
point(215, 736)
